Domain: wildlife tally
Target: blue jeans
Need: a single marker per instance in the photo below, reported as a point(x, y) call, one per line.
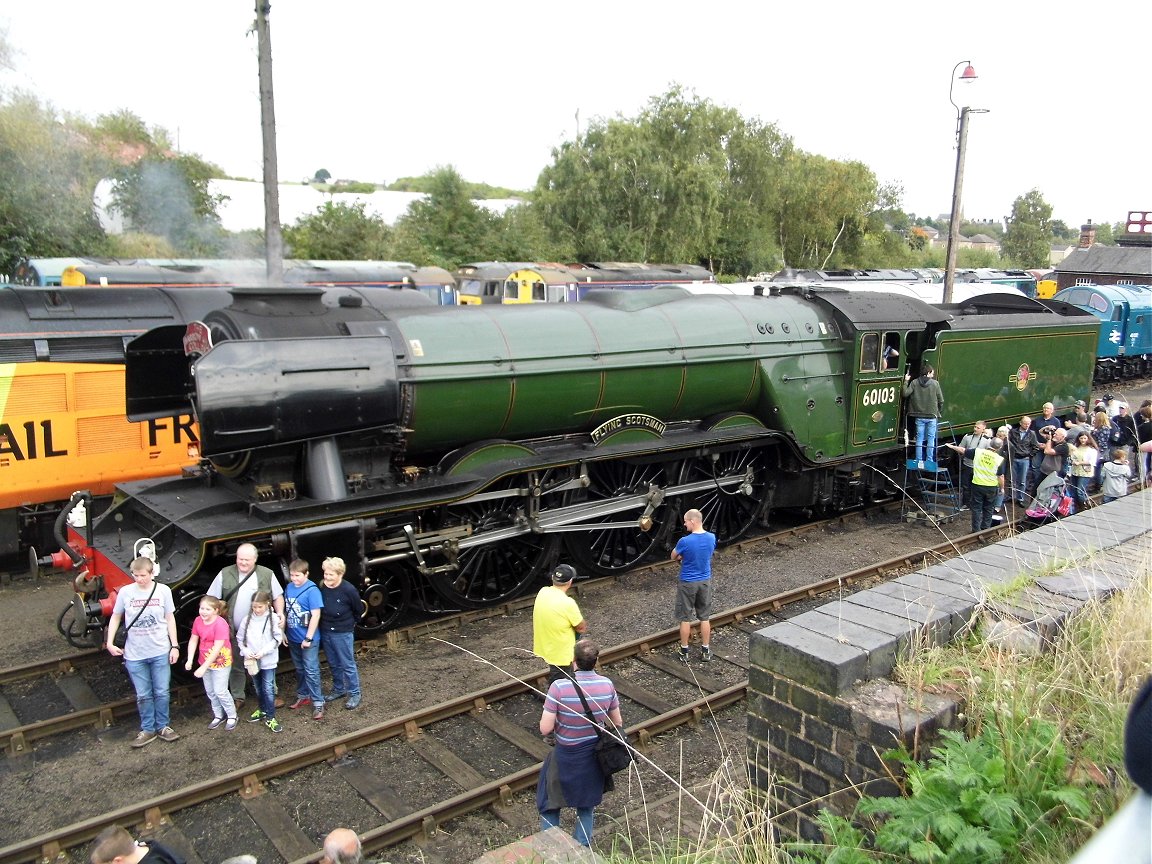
point(1020, 478)
point(307, 663)
point(583, 830)
point(925, 438)
point(1080, 489)
point(150, 680)
point(342, 662)
point(265, 683)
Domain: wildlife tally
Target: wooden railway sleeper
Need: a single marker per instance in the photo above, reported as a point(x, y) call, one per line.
point(252, 787)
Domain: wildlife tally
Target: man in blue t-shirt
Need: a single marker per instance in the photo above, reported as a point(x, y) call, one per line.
point(694, 597)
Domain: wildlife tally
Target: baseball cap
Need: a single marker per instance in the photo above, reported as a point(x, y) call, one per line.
point(563, 574)
point(1080, 403)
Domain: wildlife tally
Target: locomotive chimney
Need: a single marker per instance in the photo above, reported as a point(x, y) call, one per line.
point(1087, 235)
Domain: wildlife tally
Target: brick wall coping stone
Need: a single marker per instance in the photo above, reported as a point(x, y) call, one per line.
point(553, 846)
point(857, 637)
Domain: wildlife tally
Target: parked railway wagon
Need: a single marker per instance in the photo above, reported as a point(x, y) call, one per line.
point(1125, 344)
point(450, 458)
point(63, 422)
point(435, 282)
point(502, 282)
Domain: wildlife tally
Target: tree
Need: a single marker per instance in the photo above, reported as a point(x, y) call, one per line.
point(1028, 239)
point(338, 231)
point(445, 229)
point(322, 176)
point(169, 195)
point(686, 181)
point(50, 173)
point(1062, 233)
point(824, 213)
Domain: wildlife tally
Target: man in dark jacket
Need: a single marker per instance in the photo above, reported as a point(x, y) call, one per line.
point(925, 405)
point(1022, 444)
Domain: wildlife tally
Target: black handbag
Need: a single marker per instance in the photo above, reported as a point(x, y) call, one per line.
point(120, 639)
point(612, 750)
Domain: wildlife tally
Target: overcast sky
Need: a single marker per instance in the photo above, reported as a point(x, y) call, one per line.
point(375, 90)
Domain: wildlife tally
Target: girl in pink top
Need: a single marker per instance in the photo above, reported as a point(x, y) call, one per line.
point(210, 634)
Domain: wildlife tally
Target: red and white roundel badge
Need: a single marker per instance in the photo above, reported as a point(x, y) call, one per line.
point(197, 339)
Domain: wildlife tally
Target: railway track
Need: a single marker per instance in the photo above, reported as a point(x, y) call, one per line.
point(68, 698)
point(416, 771)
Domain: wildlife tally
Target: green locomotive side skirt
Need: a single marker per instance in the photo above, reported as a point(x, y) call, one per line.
point(486, 453)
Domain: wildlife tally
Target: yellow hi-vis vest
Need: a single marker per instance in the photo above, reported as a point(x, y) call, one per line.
point(984, 465)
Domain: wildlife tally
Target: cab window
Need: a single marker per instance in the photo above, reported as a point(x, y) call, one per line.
point(870, 352)
point(890, 356)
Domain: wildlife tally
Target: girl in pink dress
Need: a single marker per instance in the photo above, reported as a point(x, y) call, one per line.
point(212, 647)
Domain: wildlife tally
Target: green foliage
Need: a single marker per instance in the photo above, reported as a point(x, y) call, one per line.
point(322, 176)
point(990, 229)
point(168, 195)
point(353, 186)
point(1028, 240)
point(976, 258)
point(1062, 233)
point(999, 796)
point(446, 229)
point(338, 231)
point(476, 191)
point(519, 235)
point(686, 181)
point(49, 174)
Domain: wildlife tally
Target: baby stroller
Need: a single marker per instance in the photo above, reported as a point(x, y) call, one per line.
point(1053, 500)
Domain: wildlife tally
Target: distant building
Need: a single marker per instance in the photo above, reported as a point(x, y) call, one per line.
point(1128, 263)
point(1057, 252)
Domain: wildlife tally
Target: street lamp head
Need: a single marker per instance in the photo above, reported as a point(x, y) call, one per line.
point(969, 74)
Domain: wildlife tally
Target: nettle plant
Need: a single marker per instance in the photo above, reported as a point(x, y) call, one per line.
point(991, 798)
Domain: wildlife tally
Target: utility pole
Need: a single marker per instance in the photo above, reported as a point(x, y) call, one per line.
point(954, 222)
point(273, 242)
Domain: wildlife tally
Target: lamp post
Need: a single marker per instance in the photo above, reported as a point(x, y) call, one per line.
point(969, 74)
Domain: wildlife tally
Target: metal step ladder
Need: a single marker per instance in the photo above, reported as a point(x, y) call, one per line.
point(939, 499)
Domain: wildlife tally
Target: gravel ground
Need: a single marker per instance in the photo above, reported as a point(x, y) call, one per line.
point(87, 773)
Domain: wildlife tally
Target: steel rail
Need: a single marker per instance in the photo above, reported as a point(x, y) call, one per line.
point(55, 665)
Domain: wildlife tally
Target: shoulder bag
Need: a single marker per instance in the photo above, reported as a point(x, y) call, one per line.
point(612, 750)
point(120, 640)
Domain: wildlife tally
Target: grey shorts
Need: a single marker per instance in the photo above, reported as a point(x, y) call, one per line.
point(694, 600)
